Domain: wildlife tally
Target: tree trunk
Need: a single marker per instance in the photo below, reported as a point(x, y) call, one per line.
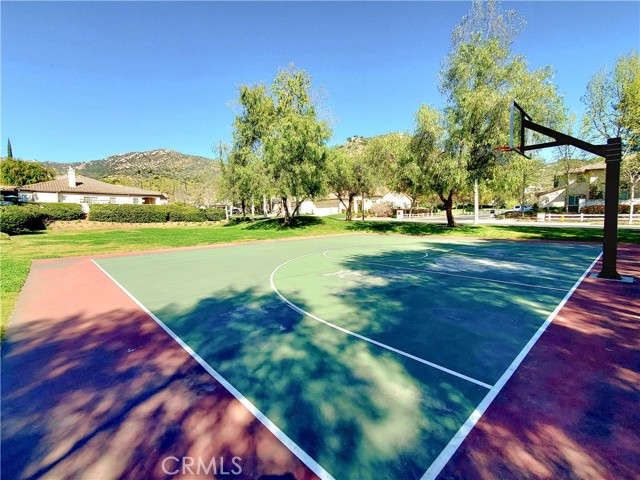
point(285, 210)
point(566, 196)
point(633, 192)
point(349, 213)
point(476, 201)
point(448, 206)
point(244, 207)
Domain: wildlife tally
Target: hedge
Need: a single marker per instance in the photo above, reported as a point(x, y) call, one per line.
point(599, 209)
point(153, 213)
point(18, 219)
point(184, 213)
point(128, 213)
point(214, 214)
point(58, 211)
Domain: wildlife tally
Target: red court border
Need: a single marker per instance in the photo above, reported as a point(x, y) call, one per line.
point(93, 386)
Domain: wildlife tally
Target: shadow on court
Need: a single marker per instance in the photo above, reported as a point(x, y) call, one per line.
point(106, 393)
point(571, 410)
point(357, 410)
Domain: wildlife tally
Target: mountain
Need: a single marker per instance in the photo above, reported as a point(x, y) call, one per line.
point(143, 164)
point(185, 178)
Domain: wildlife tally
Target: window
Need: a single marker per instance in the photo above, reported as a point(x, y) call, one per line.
point(574, 200)
point(112, 200)
point(136, 201)
point(63, 198)
point(89, 200)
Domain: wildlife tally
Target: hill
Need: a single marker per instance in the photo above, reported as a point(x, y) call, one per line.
point(185, 178)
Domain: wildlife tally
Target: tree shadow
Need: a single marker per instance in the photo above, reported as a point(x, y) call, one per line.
point(112, 397)
point(572, 408)
point(278, 223)
point(359, 411)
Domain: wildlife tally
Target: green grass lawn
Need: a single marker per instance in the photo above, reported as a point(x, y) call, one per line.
point(17, 253)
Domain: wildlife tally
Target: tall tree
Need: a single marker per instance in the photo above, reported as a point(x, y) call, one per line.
point(568, 159)
point(350, 173)
point(9, 150)
point(480, 77)
point(18, 172)
point(396, 165)
point(295, 151)
point(243, 178)
point(439, 158)
point(631, 172)
point(521, 173)
point(612, 102)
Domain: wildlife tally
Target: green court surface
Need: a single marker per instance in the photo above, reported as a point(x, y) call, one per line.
point(368, 352)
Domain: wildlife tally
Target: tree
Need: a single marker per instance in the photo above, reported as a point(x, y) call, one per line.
point(519, 174)
point(18, 172)
point(395, 163)
point(294, 150)
point(440, 158)
point(9, 150)
point(242, 176)
point(350, 172)
point(480, 77)
point(568, 158)
point(631, 172)
point(612, 102)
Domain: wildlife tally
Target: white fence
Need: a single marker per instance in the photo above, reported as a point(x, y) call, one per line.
point(581, 217)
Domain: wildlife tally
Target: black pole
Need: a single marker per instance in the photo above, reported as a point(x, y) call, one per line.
point(613, 158)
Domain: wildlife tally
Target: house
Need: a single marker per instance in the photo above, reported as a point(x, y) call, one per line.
point(72, 188)
point(331, 204)
point(584, 186)
point(394, 199)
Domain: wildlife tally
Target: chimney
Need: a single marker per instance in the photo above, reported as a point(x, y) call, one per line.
point(71, 176)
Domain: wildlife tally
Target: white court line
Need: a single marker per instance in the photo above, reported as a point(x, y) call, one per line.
point(423, 255)
point(290, 444)
point(438, 272)
point(362, 337)
point(512, 256)
point(446, 454)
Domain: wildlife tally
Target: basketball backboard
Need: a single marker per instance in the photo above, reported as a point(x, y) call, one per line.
point(519, 137)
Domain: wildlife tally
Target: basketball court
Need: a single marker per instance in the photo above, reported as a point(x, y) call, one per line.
point(365, 356)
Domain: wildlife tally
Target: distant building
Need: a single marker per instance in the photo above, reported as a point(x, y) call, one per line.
point(585, 187)
point(72, 188)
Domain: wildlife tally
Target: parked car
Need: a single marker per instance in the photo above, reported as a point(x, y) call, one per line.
point(522, 208)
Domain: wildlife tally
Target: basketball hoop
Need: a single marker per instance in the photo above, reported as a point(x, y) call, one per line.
point(501, 153)
point(504, 148)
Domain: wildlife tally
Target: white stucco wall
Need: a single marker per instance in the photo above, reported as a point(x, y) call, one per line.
point(398, 200)
point(46, 197)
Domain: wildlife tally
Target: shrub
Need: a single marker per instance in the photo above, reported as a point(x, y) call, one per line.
point(4, 236)
point(381, 210)
point(129, 213)
point(18, 219)
point(214, 214)
point(599, 209)
point(185, 213)
point(59, 211)
point(553, 209)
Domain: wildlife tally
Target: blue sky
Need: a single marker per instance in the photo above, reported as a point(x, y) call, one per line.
point(85, 80)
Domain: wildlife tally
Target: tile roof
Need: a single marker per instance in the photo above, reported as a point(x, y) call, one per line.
point(86, 185)
point(592, 166)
